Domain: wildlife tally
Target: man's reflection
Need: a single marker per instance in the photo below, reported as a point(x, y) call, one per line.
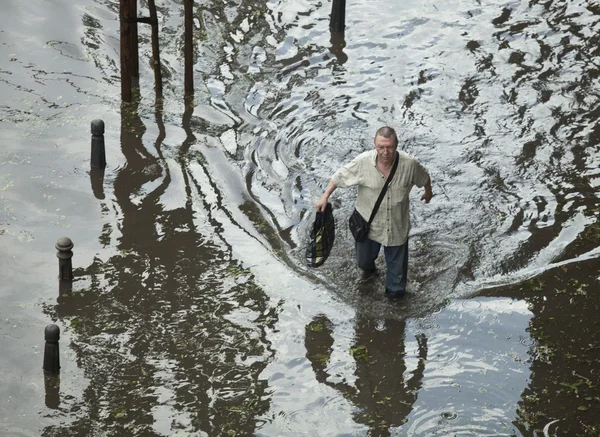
point(383, 394)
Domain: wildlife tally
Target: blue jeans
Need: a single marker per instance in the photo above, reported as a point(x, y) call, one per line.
point(396, 259)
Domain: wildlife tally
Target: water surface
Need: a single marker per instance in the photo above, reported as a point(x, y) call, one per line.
point(192, 312)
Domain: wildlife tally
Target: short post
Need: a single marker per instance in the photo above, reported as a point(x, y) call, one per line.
point(64, 254)
point(51, 358)
point(338, 15)
point(64, 291)
point(98, 159)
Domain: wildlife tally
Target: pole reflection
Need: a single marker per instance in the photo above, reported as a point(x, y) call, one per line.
point(158, 327)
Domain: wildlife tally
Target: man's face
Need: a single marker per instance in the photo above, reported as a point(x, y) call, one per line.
point(386, 149)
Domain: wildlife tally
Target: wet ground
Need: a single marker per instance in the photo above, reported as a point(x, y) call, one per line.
point(192, 312)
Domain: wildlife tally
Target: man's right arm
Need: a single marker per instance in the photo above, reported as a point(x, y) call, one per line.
point(346, 176)
point(322, 202)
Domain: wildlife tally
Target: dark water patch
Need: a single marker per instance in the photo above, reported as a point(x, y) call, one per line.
point(563, 395)
point(167, 328)
point(503, 17)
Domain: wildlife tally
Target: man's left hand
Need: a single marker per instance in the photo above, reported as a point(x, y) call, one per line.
point(428, 192)
point(427, 196)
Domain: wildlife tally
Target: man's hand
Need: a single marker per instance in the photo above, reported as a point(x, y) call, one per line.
point(322, 202)
point(428, 194)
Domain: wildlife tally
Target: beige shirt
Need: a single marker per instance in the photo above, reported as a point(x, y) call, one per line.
point(391, 224)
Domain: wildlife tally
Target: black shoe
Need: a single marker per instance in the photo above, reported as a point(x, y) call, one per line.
point(394, 294)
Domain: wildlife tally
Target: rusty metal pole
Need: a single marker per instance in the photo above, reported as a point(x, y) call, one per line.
point(64, 255)
point(155, 49)
point(133, 40)
point(189, 48)
point(126, 73)
point(338, 15)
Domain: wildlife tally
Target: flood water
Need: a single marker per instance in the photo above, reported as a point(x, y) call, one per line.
point(192, 312)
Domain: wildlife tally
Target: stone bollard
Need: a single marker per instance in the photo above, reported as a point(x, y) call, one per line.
point(98, 159)
point(51, 358)
point(64, 254)
point(338, 15)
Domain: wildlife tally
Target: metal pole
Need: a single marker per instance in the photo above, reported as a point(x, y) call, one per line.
point(51, 357)
point(189, 47)
point(98, 159)
point(133, 39)
point(338, 15)
point(126, 73)
point(155, 49)
point(64, 254)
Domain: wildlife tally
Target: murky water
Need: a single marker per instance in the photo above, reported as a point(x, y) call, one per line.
point(192, 313)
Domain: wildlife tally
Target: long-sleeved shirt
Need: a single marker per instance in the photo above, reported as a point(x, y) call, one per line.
point(391, 224)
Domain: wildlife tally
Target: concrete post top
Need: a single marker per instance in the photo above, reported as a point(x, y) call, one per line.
point(97, 127)
point(52, 333)
point(64, 244)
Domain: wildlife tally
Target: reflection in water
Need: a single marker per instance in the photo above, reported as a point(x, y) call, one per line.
point(457, 371)
point(338, 42)
point(562, 396)
point(52, 390)
point(160, 332)
point(383, 394)
point(97, 180)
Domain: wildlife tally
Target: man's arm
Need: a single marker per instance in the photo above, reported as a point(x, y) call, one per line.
point(346, 176)
point(428, 194)
point(322, 202)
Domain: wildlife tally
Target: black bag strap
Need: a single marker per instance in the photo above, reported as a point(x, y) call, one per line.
point(384, 189)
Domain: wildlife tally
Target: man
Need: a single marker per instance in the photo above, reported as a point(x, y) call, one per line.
point(391, 224)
